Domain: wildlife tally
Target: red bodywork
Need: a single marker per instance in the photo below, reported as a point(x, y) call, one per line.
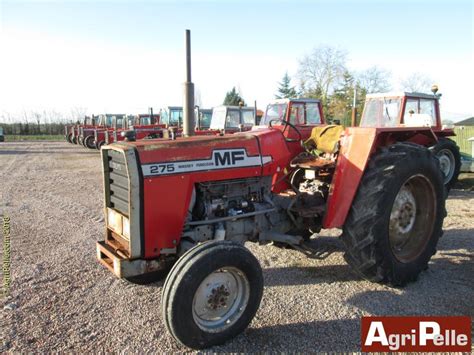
point(163, 221)
point(357, 145)
point(167, 197)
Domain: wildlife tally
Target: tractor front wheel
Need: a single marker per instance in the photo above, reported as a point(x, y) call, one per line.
point(89, 142)
point(449, 157)
point(212, 294)
point(74, 140)
point(69, 137)
point(397, 215)
point(99, 145)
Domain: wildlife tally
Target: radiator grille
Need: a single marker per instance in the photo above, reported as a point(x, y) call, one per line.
point(118, 182)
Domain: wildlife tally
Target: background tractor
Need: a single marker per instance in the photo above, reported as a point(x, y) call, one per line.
point(203, 117)
point(72, 131)
point(231, 119)
point(142, 125)
point(86, 134)
point(416, 110)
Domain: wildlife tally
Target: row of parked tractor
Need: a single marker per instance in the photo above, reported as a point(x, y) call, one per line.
point(96, 130)
point(381, 110)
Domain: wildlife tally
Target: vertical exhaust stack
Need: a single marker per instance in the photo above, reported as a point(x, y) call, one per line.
point(188, 107)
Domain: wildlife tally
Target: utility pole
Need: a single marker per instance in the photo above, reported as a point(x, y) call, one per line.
point(354, 108)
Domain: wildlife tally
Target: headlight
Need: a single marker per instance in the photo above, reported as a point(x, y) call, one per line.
point(114, 221)
point(126, 228)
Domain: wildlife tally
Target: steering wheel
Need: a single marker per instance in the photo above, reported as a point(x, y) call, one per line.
point(286, 123)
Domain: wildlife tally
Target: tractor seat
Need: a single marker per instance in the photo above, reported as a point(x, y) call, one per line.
point(325, 139)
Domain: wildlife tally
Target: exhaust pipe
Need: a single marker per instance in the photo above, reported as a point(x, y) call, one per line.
point(188, 107)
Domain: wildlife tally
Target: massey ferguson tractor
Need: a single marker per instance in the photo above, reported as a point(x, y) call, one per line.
point(72, 131)
point(86, 134)
point(184, 208)
point(415, 110)
point(193, 202)
point(142, 125)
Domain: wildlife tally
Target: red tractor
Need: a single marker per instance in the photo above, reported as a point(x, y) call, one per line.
point(72, 133)
point(143, 126)
point(193, 202)
point(117, 123)
point(86, 134)
point(416, 110)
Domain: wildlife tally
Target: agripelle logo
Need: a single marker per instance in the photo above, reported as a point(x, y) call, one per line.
point(433, 334)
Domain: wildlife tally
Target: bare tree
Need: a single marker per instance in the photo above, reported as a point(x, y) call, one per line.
point(321, 71)
point(375, 79)
point(78, 113)
point(417, 82)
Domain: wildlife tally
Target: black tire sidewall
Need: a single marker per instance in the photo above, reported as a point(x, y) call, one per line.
point(89, 142)
point(184, 285)
point(406, 169)
point(446, 143)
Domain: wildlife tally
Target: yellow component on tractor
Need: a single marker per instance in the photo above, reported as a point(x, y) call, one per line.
point(324, 139)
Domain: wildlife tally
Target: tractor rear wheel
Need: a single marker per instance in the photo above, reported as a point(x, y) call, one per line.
point(449, 157)
point(397, 215)
point(89, 142)
point(212, 294)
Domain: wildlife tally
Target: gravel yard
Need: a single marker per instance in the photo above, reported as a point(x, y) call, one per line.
point(63, 299)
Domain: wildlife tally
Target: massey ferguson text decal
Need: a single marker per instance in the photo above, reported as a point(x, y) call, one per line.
point(426, 334)
point(220, 159)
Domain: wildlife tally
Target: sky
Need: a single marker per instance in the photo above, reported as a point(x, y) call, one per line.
point(125, 56)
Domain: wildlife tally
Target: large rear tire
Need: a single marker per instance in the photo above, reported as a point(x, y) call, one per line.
point(397, 215)
point(212, 294)
point(449, 157)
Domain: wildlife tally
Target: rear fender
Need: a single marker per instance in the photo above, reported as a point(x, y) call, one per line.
point(357, 146)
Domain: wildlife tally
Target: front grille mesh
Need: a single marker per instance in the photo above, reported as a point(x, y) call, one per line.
point(118, 182)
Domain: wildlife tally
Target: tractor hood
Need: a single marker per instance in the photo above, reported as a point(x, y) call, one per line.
point(249, 153)
point(165, 173)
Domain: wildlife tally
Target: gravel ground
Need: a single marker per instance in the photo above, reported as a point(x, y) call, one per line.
point(62, 299)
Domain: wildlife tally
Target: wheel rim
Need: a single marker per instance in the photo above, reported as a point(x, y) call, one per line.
point(412, 218)
point(446, 163)
point(221, 299)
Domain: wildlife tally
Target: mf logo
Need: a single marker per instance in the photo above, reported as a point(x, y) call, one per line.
point(230, 157)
